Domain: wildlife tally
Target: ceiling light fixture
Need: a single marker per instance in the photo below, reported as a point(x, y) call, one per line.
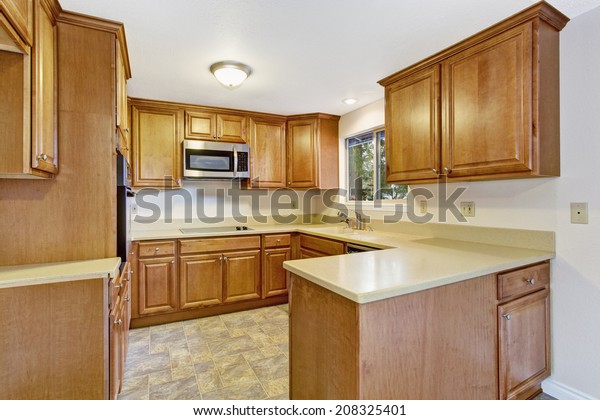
point(350, 101)
point(230, 74)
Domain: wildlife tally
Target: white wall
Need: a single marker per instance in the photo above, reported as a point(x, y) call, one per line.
point(544, 204)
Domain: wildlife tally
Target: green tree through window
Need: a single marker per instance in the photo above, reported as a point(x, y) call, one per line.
point(365, 154)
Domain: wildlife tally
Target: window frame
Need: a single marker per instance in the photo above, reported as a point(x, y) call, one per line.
point(376, 203)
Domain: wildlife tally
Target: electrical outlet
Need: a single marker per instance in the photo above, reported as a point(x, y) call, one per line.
point(579, 213)
point(423, 206)
point(133, 209)
point(294, 204)
point(467, 208)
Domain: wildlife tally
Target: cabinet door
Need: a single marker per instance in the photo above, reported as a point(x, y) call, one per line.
point(157, 285)
point(241, 279)
point(124, 138)
point(268, 153)
point(44, 146)
point(487, 91)
point(231, 128)
point(302, 154)
point(20, 14)
point(201, 280)
point(116, 349)
point(275, 277)
point(310, 253)
point(524, 341)
point(156, 145)
point(413, 127)
point(200, 125)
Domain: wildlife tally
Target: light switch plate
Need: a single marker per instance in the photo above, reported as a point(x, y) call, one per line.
point(579, 213)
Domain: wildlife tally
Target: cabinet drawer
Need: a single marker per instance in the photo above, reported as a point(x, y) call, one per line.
point(523, 281)
point(190, 246)
point(274, 241)
point(156, 249)
point(325, 246)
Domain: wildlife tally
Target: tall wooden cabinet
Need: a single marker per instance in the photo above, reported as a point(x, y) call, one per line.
point(485, 108)
point(157, 138)
point(312, 151)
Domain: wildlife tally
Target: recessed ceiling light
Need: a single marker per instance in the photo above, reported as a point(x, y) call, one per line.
point(350, 101)
point(230, 74)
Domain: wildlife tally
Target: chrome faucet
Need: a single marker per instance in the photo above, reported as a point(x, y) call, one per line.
point(359, 223)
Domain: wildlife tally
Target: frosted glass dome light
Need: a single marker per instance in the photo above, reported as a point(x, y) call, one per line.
point(230, 74)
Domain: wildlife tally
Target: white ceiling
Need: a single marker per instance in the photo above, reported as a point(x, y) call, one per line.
point(306, 55)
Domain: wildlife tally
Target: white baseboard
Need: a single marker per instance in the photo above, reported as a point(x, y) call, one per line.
point(563, 392)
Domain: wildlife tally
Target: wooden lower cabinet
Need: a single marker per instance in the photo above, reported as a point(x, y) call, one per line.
point(459, 341)
point(275, 277)
point(54, 341)
point(200, 282)
point(524, 335)
point(157, 285)
point(241, 276)
point(314, 246)
point(119, 322)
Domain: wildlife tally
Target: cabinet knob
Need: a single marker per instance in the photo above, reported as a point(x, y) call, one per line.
point(435, 171)
point(127, 299)
point(531, 281)
point(43, 157)
point(173, 262)
point(267, 253)
point(447, 171)
point(507, 317)
point(289, 183)
point(156, 249)
point(118, 321)
point(225, 258)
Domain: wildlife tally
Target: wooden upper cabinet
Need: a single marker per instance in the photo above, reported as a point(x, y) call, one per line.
point(44, 137)
point(122, 114)
point(268, 152)
point(20, 15)
point(499, 105)
point(413, 126)
point(207, 125)
point(312, 151)
point(156, 142)
point(487, 92)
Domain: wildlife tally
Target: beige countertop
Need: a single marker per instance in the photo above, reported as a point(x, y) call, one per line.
point(407, 263)
point(412, 266)
point(32, 274)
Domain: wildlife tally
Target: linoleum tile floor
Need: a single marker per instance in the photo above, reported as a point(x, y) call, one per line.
point(238, 356)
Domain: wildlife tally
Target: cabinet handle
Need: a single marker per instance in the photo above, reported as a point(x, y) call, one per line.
point(118, 321)
point(507, 317)
point(117, 286)
point(43, 157)
point(531, 281)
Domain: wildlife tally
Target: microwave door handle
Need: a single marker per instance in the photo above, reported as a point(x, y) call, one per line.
point(235, 161)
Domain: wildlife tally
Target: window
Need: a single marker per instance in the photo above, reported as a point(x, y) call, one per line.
point(365, 154)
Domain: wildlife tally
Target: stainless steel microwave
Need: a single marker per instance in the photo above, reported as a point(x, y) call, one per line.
point(217, 160)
